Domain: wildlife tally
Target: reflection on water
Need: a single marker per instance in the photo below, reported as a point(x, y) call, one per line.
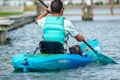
point(27, 38)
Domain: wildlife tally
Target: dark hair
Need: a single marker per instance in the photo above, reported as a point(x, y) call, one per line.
point(56, 6)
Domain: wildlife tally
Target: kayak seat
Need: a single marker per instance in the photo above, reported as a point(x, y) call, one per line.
point(51, 47)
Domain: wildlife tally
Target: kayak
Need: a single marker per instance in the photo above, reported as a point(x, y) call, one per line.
point(36, 62)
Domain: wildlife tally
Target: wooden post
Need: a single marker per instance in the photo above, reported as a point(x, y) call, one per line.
point(91, 10)
point(3, 36)
point(111, 6)
point(37, 7)
point(83, 10)
point(87, 11)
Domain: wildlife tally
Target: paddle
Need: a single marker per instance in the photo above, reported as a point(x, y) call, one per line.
point(102, 59)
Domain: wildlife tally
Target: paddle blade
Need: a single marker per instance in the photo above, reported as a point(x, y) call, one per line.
point(102, 59)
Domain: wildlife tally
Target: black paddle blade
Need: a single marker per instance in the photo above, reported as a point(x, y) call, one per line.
point(102, 59)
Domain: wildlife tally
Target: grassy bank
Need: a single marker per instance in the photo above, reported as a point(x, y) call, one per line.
point(2, 14)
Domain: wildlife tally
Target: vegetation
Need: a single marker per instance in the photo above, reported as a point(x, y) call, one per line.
point(72, 4)
point(99, 3)
point(116, 3)
point(2, 14)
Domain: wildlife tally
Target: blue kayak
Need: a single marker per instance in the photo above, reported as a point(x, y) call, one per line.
point(36, 62)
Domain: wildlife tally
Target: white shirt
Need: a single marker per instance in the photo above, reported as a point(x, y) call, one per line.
point(68, 27)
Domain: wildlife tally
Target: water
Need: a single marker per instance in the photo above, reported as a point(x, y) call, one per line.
point(27, 38)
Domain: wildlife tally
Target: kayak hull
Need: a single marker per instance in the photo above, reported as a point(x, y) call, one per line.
point(35, 62)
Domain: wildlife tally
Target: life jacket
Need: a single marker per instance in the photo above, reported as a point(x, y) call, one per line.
point(53, 29)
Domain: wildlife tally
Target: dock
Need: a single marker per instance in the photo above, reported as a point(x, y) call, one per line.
point(13, 22)
point(4, 27)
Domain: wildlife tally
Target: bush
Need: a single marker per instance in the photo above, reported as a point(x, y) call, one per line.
point(99, 3)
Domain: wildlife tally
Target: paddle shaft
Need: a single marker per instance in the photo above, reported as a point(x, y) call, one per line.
point(90, 46)
point(43, 3)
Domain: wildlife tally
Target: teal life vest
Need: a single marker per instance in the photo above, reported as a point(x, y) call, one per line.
point(53, 29)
